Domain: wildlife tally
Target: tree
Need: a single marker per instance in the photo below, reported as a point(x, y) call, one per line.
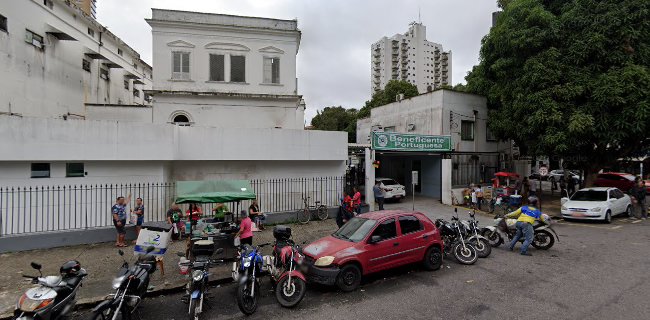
point(569, 78)
point(337, 119)
point(388, 95)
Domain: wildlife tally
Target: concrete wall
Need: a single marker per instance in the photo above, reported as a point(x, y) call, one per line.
point(230, 112)
point(124, 113)
point(39, 139)
point(49, 81)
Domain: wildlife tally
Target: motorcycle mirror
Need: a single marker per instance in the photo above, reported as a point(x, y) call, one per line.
point(219, 251)
point(36, 266)
point(120, 252)
point(150, 249)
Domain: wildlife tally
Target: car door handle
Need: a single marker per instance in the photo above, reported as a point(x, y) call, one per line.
point(395, 244)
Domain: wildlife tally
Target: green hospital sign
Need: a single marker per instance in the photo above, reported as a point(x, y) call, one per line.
point(392, 141)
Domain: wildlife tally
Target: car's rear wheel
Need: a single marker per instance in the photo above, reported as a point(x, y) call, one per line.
point(628, 211)
point(608, 217)
point(349, 278)
point(433, 259)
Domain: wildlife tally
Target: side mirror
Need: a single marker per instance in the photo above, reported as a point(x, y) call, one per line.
point(374, 239)
point(611, 199)
point(564, 200)
point(219, 251)
point(120, 252)
point(150, 249)
point(36, 266)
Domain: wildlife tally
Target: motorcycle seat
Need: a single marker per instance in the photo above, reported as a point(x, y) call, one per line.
point(73, 281)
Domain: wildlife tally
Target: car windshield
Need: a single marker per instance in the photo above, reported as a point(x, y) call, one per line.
point(590, 195)
point(355, 230)
point(389, 182)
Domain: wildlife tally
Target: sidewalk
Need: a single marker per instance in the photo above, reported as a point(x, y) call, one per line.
point(102, 262)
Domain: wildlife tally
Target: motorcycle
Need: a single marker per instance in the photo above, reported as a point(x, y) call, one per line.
point(247, 271)
point(454, 242)
point(482, 245)
point(202, 251)
point(283, 265)
point(544, 237)
point(130, 286)
point(54, 297)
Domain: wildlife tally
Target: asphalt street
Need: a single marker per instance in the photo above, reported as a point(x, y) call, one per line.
point(596, 271)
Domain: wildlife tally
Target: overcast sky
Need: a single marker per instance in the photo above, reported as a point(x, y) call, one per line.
point(334, 55)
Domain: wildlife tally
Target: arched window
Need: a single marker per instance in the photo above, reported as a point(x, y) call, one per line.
point(181, 118)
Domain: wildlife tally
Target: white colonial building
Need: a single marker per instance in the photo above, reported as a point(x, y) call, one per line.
point(225, 71)
point(59, 62)
point(410, 57)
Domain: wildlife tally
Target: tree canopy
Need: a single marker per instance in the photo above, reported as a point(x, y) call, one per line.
point(388, 95)
point(337, 119)
point(569, 78)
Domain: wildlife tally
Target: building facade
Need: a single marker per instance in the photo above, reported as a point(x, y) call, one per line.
point(225, 71)
point(89, 7)
point(476, 154)
point(410, 57)
point(59, 62)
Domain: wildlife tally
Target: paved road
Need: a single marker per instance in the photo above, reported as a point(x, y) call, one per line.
point(597, 271)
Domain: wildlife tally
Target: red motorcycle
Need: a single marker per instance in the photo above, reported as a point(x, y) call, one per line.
point(283, 266)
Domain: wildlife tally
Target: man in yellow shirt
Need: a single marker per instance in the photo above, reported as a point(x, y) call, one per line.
point(526, 217)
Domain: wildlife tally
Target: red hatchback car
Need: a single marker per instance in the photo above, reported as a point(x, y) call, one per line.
point(373, 242)
point(622, 181)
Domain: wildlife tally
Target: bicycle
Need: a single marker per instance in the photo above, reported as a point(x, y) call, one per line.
point(304, 214)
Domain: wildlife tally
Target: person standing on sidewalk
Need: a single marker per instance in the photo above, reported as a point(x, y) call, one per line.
point(118, 211)
point(638, 194)
point(479, 196)
point(356, 200)
point(245, 232)
point(526, 217)
point(256, 215)
point(378, 191)
point(139, 214)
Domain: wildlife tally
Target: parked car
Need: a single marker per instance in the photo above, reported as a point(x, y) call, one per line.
point(393, 189)
point(599, 203)
point(537, 176)
point(555, 175)
point(373, 242)
point(620, 180)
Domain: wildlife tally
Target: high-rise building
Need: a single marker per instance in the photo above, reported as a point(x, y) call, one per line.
point(89, 7)
point(410, 57)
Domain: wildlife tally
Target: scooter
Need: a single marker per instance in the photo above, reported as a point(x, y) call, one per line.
point(504, 229)
point(283, 265)
point(130, 286)
point(54, 297)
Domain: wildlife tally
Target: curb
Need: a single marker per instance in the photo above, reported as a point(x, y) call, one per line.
point(92, 302)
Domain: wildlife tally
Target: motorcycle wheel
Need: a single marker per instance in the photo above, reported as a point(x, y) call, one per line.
point(465, 254)
point(194, 315)
point(108, 313)
point(483, 247)
point(246, 302)
point(493, 237)
point(543, 240)
point(288, 294)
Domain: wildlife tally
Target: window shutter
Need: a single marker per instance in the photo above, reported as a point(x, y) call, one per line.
point(176, 65)
point(268, 70)
point(237, 69)
point(186, 66)
point(276, 71)
point(216, 67)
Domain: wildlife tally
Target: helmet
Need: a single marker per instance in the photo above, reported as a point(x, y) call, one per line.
point(70, 268)
point(532, 200)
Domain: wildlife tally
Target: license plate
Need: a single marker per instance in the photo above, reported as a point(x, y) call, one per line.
point(577, 214)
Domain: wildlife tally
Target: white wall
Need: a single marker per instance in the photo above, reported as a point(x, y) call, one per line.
point(230, 112)
point(227, 170)
point(50, 82)
point(40, 139)
point(254, 38)
point(120, 113)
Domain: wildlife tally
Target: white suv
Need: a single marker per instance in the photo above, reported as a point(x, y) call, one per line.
point(393, 190)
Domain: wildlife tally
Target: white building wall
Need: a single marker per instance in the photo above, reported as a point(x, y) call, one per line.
point(50, 81)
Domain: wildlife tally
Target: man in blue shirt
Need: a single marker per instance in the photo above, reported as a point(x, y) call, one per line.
point(139, 213)
point(118, 211)
point(379, 194)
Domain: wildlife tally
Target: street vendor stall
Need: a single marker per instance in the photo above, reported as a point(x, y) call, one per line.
point(505, 183)
point(220, 232)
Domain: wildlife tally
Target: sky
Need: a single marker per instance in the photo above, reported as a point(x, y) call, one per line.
point(334, 55)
